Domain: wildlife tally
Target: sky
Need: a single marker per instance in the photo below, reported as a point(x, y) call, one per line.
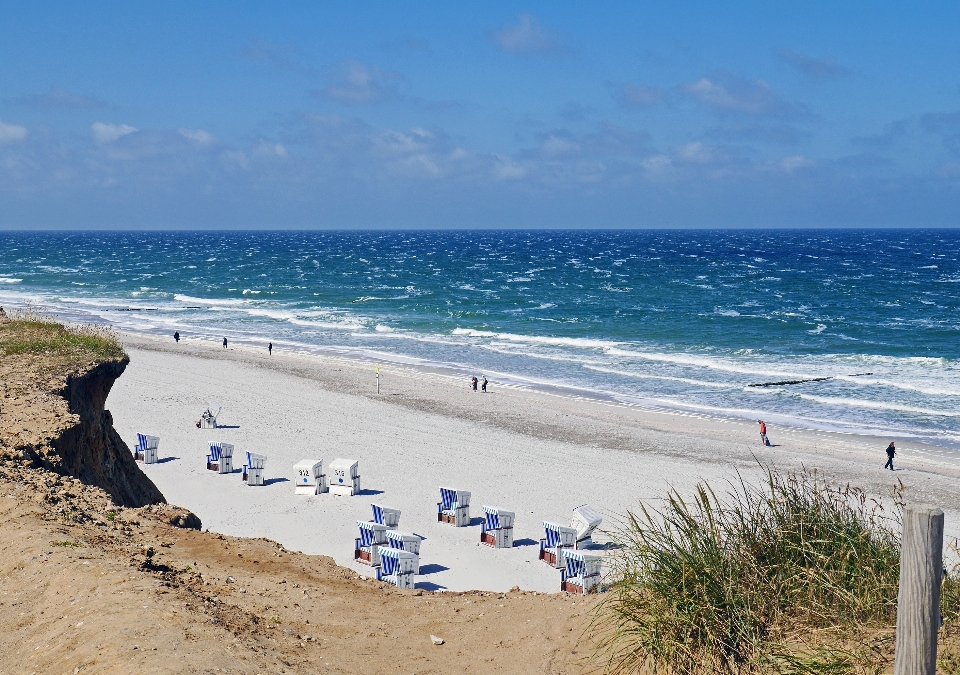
point(133, 115)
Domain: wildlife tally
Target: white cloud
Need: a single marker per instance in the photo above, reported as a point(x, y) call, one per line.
point(265, 149)
point(11, 132)
point(641, 96)
point(107, 133)
point(794, 162)
point(527, 37)
point(359, 84)
point(728, 93)
point(507, 169)
point(198, 136)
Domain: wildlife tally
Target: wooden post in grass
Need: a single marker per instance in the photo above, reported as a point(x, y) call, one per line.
point(918, 604)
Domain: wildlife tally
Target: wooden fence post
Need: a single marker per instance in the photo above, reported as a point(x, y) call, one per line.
point(918, 604)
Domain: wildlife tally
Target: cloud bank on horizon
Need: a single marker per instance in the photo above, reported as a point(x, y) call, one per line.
point(665, 115)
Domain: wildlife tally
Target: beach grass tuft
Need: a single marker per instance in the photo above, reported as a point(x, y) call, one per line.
point(792, 576)
point(30, 331)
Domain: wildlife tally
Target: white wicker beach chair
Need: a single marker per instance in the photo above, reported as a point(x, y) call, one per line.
point(497, 527)
point(344, 477)
point(386, 515)
point(397, 567)
point(147, 448)
point(366, 547)
point(581, 572)
point(556, 539)
point(408, 542)
point(253, 469)
point(309, 478)
point(454, 507)
point(585, 520)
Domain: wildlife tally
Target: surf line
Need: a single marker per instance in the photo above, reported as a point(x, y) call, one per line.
point(782, 383)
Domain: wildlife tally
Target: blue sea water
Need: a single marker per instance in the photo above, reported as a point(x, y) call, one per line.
point(679, 319)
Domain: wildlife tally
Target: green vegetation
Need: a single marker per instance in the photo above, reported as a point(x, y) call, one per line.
point(111, 515)
point(74, 544)
point(32, 332)
point(794, 576)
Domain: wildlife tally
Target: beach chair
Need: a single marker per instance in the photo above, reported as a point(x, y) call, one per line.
point(585, 520)
point(309, 478)
point(344, 477)
point(147, 448)
point(406, 542)
point(208, 419)
point(581, 572)
point(213, 459)
point(220, 458)
point(497, 527)
point(397, 567)
point(556, 539)
point(386, 516)
point(454, 507)
point(366, 547)
point(253, 469)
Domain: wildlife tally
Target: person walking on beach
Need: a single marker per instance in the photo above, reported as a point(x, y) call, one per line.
point(763, 433)
point(891, 451)
point(224, 343)
point(473, 382)
point(483, 387)
point(176, 336)
point(270, 348)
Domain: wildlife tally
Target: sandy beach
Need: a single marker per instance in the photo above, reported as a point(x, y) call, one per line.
point(537, 453)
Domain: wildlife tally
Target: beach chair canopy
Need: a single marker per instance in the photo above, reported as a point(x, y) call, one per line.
point(396, 561)
point(371, 533)
point(451, 499)
point(214, 452)
point(226, 450)
point(213, 408)
point(255, 461)
point(559, 535)
point(497, 518)
point(579, 564)
point(404, 540)
point(585, 520)
point(385, 515)
point(344, 470)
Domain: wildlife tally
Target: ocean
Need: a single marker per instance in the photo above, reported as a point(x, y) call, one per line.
point(842, 330)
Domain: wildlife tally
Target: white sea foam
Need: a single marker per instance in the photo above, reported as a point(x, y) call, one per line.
point(10, 280)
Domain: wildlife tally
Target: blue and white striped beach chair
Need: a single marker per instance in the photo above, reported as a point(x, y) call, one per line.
point(556, 539)
point(366, 547)
point(454, 507)
point(386, 515)
point(581, 572)
point(408, 542)
point(147, 448)
point(213, 459)
point(397, 567)
point(497, 527)
point(253, 469)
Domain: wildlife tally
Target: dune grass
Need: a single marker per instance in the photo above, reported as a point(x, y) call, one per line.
point(32, 332)
point(793, 576)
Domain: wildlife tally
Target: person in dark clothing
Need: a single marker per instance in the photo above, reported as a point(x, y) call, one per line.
point(270, 348)
point(891, 451)
point(224, 343)
point(483, 387)
point(473, 382)
point(176, 336)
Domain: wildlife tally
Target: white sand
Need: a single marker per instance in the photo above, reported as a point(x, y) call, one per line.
point(534, 454)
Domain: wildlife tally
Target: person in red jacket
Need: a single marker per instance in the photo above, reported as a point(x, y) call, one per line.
point(763, 433)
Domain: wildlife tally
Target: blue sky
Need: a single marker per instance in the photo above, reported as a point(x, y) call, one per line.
point(383, 115)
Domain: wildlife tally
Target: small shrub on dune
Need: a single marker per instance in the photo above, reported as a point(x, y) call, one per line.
point(793, 576)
